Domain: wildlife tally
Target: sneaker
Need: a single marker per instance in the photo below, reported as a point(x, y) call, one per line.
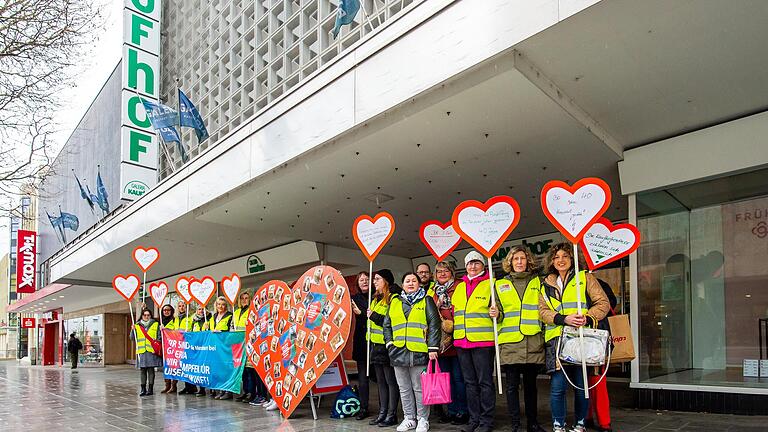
point(272, 406)
point(558, 428)
point(578, 428)
point(406, 425)
point(422, 426)
point(266, 402)
point(254, 403)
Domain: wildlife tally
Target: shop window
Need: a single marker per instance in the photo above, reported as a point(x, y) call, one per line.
point(701, 279)
point(90, 331)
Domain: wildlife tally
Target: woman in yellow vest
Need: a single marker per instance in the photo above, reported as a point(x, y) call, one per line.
point(220, 321)
point(384, 283)
point(558, 308)
point(240, 319)
point(412, 337)
point(197, 324)
point(521, 341)
point(473, 340)
point(146, 358)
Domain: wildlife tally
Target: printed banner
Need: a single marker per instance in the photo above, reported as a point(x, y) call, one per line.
point(208, 359)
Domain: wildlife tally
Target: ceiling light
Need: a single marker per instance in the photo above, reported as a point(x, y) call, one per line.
point(379, 198)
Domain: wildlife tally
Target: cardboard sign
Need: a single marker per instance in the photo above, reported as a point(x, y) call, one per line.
point(182, 289)
point(486, 225)
point(333, 379)
point(202, 290)
point(145, 258)
point(371, 234)
point(439, 238)
point(126, 286)
point(231, 287)
point(605, 243)
point(294, 334)
point(573, 209)
point(158, 291)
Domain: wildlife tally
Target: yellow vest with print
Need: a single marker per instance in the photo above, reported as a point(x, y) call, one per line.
point(142, 343)
point(376, 334)
point(240, 318)
point(567, 305)
point(411, 331)
point(470, 315)
point(521, 318)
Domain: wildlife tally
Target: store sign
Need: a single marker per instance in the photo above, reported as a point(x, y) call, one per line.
point(141, 79)
point(255, 265)
point(28, 323)
point(26, 262)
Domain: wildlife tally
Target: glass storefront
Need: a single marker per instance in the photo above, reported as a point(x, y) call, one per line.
point(702, 278)
point(90, 331)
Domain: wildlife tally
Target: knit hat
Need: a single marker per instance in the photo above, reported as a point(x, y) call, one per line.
point(387, 275)
point(473, 256)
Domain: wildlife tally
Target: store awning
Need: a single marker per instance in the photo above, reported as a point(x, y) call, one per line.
point(63, 297)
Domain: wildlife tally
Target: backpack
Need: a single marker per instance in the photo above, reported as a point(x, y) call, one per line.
point(347, 404)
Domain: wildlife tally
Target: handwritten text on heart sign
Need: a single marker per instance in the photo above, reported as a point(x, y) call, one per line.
point(486, 227)
point(574, 212)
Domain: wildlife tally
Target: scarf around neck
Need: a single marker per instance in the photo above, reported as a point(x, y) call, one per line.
point(443, 299)
point(414, 297)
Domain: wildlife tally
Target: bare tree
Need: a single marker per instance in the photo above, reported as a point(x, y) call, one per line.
point(42, 47)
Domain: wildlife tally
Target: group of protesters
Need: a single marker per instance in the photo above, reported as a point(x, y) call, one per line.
point(450, 319)
point(438, 316)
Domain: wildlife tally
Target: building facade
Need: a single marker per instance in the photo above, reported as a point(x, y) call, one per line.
point(419, 105)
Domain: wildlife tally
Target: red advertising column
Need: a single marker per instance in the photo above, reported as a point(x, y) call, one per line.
point(26, 262)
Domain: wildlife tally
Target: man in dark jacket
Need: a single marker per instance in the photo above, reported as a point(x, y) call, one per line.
point(73, 347)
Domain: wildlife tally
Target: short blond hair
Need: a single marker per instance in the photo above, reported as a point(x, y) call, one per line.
point(506, 263)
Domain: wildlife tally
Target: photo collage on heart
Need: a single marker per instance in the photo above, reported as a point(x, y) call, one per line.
point(293, 334)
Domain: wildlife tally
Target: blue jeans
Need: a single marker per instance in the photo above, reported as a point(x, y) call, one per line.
point(458, 403)
point(559, 386)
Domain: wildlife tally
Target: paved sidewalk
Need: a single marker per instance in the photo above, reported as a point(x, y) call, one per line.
point(56, 399)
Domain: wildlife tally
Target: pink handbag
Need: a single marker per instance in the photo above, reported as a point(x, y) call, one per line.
point(435, 386)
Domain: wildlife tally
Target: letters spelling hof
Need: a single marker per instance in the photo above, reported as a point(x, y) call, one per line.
point(140, 80)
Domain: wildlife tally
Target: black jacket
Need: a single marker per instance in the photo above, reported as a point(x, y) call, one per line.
point(361, 327)
point(74, 345)
point(406, 358)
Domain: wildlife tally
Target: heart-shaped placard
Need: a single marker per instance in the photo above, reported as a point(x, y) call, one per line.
point(439, 238)
point(371, 234)
point(605, 243)
point(182, 289)
point(145, 257)
point(202, 290)
point(573, 209)
point(486, 225)
point(295, 333)
point(231, 286)
point(126, 286)
point(158, 291)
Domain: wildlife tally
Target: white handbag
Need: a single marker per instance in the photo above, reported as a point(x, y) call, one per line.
point(595, 346)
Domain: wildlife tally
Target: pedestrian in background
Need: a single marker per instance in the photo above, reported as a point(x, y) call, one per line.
point(73, 347)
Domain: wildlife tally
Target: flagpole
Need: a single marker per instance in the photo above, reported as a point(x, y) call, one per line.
point(178, 109)
point(367, 17)
point(158, 135)
point(61, 226)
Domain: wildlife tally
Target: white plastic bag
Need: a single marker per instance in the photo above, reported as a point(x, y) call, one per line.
point(595, 346)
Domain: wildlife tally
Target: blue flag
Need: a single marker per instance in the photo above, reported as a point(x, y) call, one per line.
point(189, 117)
point(68, 220)
point(85, 196)
point(345, 14)
point(101, 194)
point(56, 224)
point(163, 119)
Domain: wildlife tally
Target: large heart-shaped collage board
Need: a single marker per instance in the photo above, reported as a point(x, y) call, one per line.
point(293, 334)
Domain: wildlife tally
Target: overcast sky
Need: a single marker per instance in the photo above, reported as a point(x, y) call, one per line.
point(98, 66)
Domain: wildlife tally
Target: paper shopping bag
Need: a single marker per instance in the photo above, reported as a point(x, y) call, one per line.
point(623, 345)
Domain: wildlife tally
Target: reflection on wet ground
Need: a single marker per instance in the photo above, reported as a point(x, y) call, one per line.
point(102, 399)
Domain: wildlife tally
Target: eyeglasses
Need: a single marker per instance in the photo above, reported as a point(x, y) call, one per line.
point(377, 278)
point(423, 272)
point(443, 271)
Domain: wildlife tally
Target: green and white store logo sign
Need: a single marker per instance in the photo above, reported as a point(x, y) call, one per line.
point(254, 265)
point(135, 188)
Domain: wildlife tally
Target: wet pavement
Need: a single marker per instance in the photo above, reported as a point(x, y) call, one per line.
point(103, 399)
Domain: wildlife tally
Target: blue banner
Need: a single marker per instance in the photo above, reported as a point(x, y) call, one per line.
point(213, 360)
point(190, 117)
point(345, 14)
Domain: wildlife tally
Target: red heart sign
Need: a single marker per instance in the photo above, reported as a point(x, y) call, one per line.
point(126, 286)
point(158, 291)
point(486, 225)
point(202, 290)
point(605, 243)
point(295, 334)
point(182, 289)
point(573, 209)
point(230, 286)
point(439, 238)
point(371, 234)
point(145, 257)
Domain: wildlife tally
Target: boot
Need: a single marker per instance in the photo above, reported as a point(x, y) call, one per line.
point(363, 414)
point(173, 387)
point(149, 390)
point(391, 420)
point(143, 390)
point(378, 419)
point(167, 386)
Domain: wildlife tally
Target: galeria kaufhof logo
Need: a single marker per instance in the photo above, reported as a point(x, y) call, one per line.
point(760, 230)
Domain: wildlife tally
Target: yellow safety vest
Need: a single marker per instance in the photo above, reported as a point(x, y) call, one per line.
point(240, 317)
point(377, 331)
point(521, 318)
point(470, 316)
point(431, 289)
point(142, 344)
point(567, 305)
point(223, 324)
point(410, 332)
point(179, 323)
point(197, 325)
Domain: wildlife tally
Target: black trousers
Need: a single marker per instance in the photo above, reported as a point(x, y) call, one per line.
point(363, 384)
point(529, 373)
point(477, 368)
point(389, 392)
point(73, 357)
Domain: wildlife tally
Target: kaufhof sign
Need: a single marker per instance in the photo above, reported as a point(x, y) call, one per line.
point(141, 79)
point(26, 262)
